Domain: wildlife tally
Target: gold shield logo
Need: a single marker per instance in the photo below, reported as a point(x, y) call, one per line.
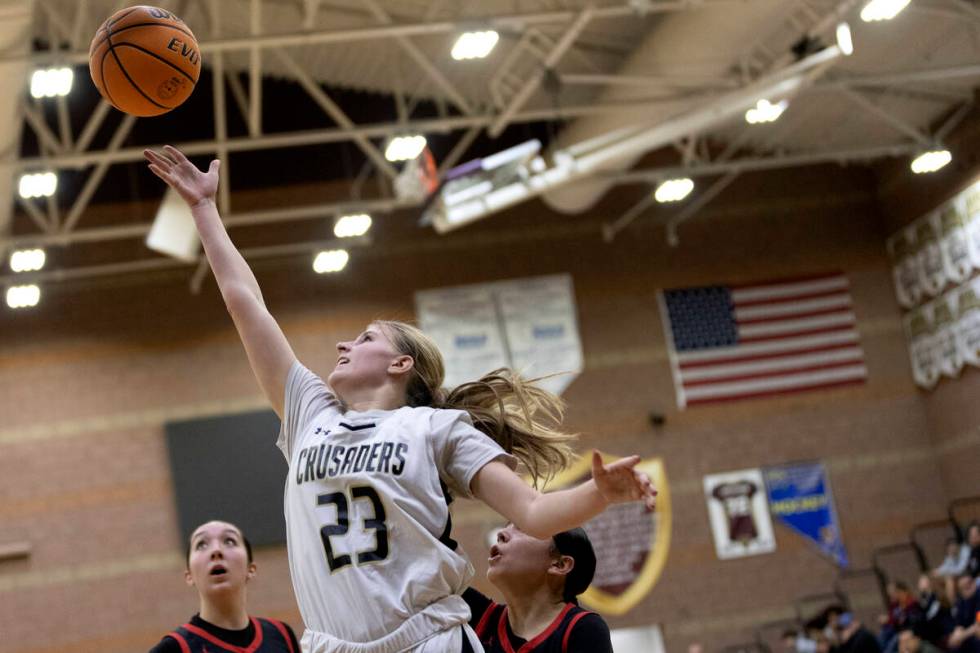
point(630, 542)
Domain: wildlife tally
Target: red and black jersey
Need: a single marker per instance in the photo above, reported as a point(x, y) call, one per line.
point(574, 630)
point(199, 636)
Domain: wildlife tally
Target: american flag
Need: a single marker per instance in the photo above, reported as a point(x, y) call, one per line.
point(764, 339)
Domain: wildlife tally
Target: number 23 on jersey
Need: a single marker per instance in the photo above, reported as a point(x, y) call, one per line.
point(375, 522)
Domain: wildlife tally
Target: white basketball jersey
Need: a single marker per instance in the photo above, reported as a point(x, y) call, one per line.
point(367, 516)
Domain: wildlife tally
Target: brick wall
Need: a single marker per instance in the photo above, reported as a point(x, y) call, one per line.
point(89, 379)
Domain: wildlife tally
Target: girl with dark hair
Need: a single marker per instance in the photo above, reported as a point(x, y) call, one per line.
point(541, 580)
point(219, 565)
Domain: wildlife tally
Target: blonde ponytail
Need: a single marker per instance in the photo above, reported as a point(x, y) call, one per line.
point(521, 417)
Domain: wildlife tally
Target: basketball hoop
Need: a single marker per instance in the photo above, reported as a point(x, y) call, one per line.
point(418, 179)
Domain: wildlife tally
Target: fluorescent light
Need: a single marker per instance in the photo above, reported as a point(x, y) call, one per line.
point(51, 82)
point(405, 148)
point(844, 39)
point(42, 184)
point(931, 161)
point(764, 111)
point(27, 260)
point(673, 190)
point(333, 260)
point(23, 296)
point(474, 45)
point(882, 9)
point(348, 226)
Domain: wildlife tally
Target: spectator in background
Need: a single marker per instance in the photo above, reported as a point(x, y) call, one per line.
point(964, 637)
point(903, 611)
point(957, 557)
point(910, 642)
point(852, 637)
point(937, 614)
point(973, 541)
point(797, 641)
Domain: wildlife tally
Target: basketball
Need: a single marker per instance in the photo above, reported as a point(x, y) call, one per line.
point(145, 61)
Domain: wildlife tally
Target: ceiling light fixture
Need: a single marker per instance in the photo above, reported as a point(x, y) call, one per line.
point(474, 45)
point(882, 9)
point(765, 111)
point(333, 260)
point(845, 41)
point(673, 190)
point(405, 148)
point(51, 82)
point(931, 161)
point(349, 226)
point(27, 260)
point(23, 296)
point(41, 184)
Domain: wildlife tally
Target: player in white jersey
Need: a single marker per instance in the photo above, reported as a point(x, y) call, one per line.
point(375, 457)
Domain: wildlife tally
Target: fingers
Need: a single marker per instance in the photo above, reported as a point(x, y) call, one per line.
point(626, 463)
point(175, 154)
point(215, 166)
point(159, 172)
point(597, 468)
point(157, 158)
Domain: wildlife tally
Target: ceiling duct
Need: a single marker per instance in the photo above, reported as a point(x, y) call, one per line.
point(677, 42)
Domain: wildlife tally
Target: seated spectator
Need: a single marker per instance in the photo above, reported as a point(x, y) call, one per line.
point(797, 641)
point(957, 557)
point(937, 613)
point(853, 637)
point(964, 638)
point(973, 541)
point(910, 642)
point(903, 611)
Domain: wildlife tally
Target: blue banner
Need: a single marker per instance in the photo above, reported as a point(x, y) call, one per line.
point(800, 497)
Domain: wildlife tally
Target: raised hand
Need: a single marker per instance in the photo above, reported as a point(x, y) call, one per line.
point(620, 481)
point(193, 185)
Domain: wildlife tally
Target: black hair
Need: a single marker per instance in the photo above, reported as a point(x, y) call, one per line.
point(248, 546)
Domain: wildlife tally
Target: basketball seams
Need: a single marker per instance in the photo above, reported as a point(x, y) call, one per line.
point(123, 29)
point(113, 19)
point(105, 87)
point(158, 57)
point(139, 90)
point(142, 67)
point(122, 69)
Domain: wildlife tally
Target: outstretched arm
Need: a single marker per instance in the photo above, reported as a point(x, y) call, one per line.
point(268, 351)
point(542, 515)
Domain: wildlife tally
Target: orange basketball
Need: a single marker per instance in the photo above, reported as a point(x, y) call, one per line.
point(145, 61)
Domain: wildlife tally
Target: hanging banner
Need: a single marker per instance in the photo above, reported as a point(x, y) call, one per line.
point(971, 213)
point(955, 242)
point(800, 497)
point(905, 268)
point(739, 514)
point(918, 333)
point(932, 273)
point(968, 323)
point(947, 354)
point(529, 325)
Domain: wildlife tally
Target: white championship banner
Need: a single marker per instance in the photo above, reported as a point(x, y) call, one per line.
point(528, 324)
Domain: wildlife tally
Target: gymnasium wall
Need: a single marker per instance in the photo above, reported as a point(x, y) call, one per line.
point(89, 379)
point(952, 410)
